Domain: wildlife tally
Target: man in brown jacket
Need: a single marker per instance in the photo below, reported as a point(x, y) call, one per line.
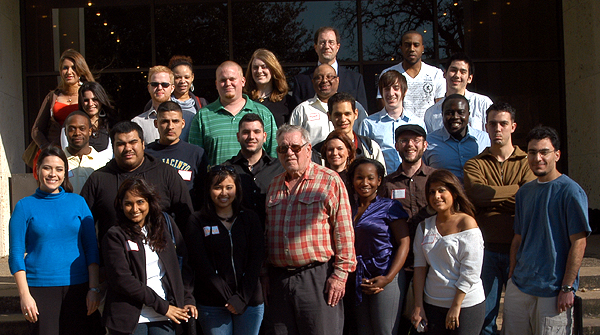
point(492, 179)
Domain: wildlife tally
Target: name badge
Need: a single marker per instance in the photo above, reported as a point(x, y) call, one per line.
point(71, 174)
point(428, 239)
point(132, 246)
point(214, 230)
point(314, 116)
point(399, 193)
point(206, 231)
point(186, 175)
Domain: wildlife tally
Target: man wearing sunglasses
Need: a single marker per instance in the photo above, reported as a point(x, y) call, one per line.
point(160, 87)
point(310, 242)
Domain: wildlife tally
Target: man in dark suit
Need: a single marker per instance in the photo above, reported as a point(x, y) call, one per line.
point(327, 45)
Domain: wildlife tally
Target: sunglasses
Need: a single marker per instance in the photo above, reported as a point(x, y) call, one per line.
point(219, 168)
point(164, 85)
point(282, 149)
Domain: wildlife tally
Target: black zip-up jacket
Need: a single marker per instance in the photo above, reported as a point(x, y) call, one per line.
point(100, 191)
point(126, 275)
point(224, 275)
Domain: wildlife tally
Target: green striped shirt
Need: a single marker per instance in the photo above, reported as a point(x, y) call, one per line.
point(214, 129)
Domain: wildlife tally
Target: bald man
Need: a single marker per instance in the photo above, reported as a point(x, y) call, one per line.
point(215, 126)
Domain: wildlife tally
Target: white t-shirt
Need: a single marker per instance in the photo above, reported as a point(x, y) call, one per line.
point(154, 272)
point(455, 262)
point(478, 105)
point(423, 89)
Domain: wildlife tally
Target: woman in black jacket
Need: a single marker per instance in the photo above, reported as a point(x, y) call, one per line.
point(150, 284)
point(226, 256)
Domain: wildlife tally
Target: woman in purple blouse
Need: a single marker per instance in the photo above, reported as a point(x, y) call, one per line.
point(382, 244)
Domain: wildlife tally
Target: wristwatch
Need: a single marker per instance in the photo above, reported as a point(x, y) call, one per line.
point(95, 289)
point(567, 288)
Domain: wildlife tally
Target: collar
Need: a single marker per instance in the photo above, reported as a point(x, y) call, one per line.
point(335, 66)
point(384, 115)
point(446, 135)
point(91, 155)
point(423, 170)
point(308, 174)
point(315, 102)
point(239, 158)
point(221, 107)
point(516, 154)
point(149, 114)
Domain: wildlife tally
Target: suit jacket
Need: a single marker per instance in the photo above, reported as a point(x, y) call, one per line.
point(126, 275)
point(350, 82)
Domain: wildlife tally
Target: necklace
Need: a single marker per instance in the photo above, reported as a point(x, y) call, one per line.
point(229, 219)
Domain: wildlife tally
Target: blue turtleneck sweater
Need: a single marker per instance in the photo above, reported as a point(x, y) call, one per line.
point(56, 231)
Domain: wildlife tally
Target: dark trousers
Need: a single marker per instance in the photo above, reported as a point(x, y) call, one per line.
point(470, 320)
point(298, 303)
point(63, 310)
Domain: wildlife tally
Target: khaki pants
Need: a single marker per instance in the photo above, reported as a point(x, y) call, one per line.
point(525, 314)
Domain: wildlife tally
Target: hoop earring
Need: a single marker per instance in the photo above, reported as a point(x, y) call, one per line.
point(80, 82)
point(102, 113)
point(192, 87)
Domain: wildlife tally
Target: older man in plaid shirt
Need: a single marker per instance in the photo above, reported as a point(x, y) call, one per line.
point(310, 242)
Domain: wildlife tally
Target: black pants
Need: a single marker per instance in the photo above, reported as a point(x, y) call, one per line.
point(470, 320)
point(63, 311)
point(298, 303)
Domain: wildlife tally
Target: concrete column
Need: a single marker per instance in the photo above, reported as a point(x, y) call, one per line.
point(582, 80)
point(11, 109)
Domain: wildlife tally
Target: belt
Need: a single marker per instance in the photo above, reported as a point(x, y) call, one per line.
point(292, 270)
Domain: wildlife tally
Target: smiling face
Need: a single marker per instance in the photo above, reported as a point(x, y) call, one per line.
point(170, 125)
point(295, 163)
point(78, 132)
point(90, 104)
point(260, 72)
point(458, 77)
point(160, 94)
point(68, 73)
point(184, 77)
point(410, 146)
point(325, 82)
point(392, 96)
point(51, 174)
point(251, 137)
point(128, 150)
point(500, 127)
point(440, 198)
point(327, 47)
point(456, 117)
point(135, 208)
point(412, 48)
point(342, 116)
point(366, 181)
point(222, 194)
point(230, 83)
point(336, 155)
point(542, 158)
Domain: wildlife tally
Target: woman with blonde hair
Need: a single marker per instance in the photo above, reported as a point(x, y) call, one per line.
point(63, 100)
point(266, 83)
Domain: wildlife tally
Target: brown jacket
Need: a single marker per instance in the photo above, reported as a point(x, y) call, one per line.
point(492, 186)
point(46, 130)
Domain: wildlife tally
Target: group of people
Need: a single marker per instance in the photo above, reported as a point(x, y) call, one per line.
point(295, 214)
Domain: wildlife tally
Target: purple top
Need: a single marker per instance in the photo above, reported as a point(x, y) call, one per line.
point(373, 240)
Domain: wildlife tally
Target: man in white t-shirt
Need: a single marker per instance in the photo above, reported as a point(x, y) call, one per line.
point(459, 73)
point(426, 83)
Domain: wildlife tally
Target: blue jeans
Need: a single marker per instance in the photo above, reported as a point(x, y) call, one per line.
point(155, 328)
point(219, 321)
point(494, 275)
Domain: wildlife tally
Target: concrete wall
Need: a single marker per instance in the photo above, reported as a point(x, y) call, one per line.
point(11, 110)
point(582, 80)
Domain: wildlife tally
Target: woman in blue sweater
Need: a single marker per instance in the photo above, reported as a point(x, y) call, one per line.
point(58, 278)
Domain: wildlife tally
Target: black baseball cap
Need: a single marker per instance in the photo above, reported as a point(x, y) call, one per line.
point(415, 128)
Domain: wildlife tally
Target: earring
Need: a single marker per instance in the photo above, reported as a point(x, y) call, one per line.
point(80, 82)
point(102, 113)
point(192, 87)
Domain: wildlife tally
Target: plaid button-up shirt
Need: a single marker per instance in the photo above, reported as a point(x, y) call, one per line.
point(310, 223)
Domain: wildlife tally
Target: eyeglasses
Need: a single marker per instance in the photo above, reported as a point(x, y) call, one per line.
point(219, 168)
point(405, 141)
point(164, 85)
point(283, 149)
point(329, 77)
point(543, 152)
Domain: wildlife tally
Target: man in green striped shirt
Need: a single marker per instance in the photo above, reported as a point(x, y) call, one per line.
point(215, 126)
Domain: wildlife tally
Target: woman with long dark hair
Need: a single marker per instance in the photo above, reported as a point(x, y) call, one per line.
point(382, 244)
point(448, 247)
point(149, 282)
point(227, 256)
point(266, 83)
point(54, 253)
